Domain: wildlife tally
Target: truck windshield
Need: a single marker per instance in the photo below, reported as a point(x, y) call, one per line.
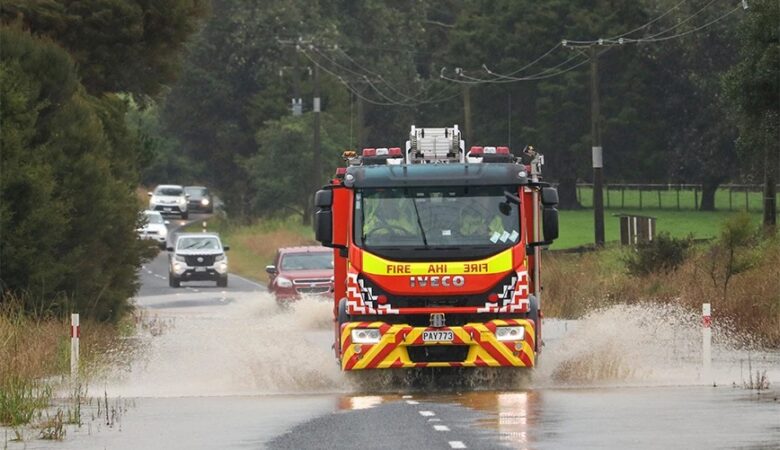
point(436, 217)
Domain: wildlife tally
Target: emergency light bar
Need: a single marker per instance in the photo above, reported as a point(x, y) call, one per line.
point(392, 155)
point(478, 154)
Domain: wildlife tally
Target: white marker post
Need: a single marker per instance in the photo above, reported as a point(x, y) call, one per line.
point(75, 334)
point(706, 339)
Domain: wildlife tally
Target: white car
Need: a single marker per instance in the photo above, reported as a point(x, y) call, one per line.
point(154, 228)
point(169, 199)
point(198, 257)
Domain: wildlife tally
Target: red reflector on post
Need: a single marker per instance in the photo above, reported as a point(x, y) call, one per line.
point(369, 152)
point(394, 151)
point(502, 150)
point(493, 298)
point(381, 299)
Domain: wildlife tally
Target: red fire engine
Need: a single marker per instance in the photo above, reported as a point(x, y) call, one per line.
point(437, 254)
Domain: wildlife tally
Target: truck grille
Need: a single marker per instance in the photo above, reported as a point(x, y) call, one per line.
point(438, 353)
point(207, 260)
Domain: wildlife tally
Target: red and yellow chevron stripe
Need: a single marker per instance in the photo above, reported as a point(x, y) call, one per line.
point(484, 349)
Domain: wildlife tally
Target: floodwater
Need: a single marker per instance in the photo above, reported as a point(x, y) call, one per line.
point(229, 369)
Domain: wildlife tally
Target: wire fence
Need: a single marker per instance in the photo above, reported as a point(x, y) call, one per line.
point(728, 197)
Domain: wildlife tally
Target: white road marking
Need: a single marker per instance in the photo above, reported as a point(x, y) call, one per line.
point(435, 419)
point(248, 281)
point(457, 444)
point(412, 402)
point(441, 428)
point(407, 396)
point(427, 413)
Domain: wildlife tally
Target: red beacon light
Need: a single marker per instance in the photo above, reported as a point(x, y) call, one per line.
point(475, 154)
point(394, 152)
point(502, 150)
point(369, 152)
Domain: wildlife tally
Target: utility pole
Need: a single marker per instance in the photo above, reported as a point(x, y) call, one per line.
point(297, 101)
point(596, 150)
point(317, 167)
point(467, 112)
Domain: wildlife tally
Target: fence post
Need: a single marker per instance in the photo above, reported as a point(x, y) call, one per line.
point(696, 198)
point(640, 198)
point(678, 197)
point(622, 196)
point(606, 186)
point(659, 199)
point(75, 334)
point(747, 199)
point(706, 334)
point(731, 191)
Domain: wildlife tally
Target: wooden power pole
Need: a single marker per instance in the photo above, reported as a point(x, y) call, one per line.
point(596, 150)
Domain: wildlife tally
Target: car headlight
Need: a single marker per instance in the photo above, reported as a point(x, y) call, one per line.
point(182, 201)
point(283, 282)
point(366, 336)
point(179, 258)
point(152, 200)
point(204, 202)
point(220, 257)
point(510, 333)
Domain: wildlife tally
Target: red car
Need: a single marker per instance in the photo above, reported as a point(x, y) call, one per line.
point(301, 270)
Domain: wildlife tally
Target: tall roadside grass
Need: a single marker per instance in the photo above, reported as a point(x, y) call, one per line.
point(253, 246)
point(744, 293)
point(35, 357)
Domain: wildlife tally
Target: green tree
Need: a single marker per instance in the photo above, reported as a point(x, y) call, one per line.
point(69, 211)
point(753, 89)
point(119, 45)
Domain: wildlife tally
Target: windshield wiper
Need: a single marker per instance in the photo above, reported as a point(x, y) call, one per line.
point(419, 222)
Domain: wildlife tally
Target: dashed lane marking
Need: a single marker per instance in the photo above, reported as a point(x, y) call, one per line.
point(406, 396)
point(435, 419)
point(457, 444)
point(427, 413)
point(441, 428)
point(412, 402)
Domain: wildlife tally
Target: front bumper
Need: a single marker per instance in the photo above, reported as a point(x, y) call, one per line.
point(170, 209)
point(402, 346)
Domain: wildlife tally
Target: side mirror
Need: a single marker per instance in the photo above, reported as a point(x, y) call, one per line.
point(150, 194)
point(187, 195)
point(323, 226)
point(549, 196)
point(170, 249)
point(550, 223)
point(225, 248)
point(323, 198)
point(271, 269)
point(167, 222)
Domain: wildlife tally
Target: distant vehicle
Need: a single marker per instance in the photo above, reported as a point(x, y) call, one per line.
point(300, 270)
point(199, 199)
point(169, 199)
point(154, 228)
point(198, 257)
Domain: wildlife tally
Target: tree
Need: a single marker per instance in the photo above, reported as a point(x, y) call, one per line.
point(69, 211)
point(753, 88)
point(119, 45)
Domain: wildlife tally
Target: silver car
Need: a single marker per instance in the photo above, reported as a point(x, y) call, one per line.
point(169, 199)
point(198, 257)
point(154, 227)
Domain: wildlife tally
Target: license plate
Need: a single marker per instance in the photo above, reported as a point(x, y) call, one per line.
point(200, 269)
point(168, 209)
point(438, 336)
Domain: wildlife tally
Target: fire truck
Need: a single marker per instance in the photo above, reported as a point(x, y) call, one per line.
point(437, 253)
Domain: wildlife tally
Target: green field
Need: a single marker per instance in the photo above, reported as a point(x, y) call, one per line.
point(577, 226)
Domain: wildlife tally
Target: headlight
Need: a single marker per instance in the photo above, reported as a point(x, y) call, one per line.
point(163, 231)
point(366, 336)
point(220, 257)
point(182, 201)
point(510, 333)
point(152, 200)
point(283, 282)
point(204, 202)
point(179, 258)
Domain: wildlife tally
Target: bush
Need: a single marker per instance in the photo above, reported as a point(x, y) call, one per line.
point(663, 254)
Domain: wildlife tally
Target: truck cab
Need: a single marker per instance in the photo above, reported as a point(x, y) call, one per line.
point(436, 254)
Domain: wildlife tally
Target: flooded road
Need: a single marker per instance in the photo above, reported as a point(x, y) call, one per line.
point(227, 368)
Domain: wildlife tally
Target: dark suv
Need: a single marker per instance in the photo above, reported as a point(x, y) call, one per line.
point(300, 270)
point(199, 199)
point(198, 257)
